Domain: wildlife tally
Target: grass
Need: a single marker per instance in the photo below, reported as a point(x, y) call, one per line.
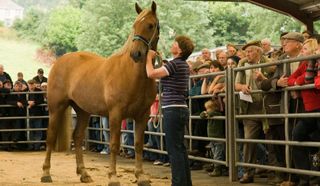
point(20, 56)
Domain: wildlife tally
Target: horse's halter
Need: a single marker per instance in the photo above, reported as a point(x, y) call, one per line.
point(145, 41)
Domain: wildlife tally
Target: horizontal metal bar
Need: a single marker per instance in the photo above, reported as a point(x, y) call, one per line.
point(163, 134)
point(280, 142)
point(16, 130)
point(261, 65)
point(14, 106)
point(205, 138)
point(165, 152)
point(214, 117)
point(281, 169)
point(23, 117)
point(20, 142)
point(154, 133)
point(223, 94)
point(290, 115)
point(207, 160)
point(206, 96)
point(208, 74)
point(19, 93)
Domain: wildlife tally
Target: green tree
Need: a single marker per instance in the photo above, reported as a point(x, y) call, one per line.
point(229, 23)
point(28, 26)
point(271, 27)
point(107, 24)
point(77, 3)
point(60, 29)
point(189, 19)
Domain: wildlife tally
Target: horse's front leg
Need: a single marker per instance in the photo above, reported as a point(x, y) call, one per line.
point(140, 127)
point(115, 132)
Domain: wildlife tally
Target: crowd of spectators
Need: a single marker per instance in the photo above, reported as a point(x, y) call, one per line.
point(269, 78)
point(17, 99)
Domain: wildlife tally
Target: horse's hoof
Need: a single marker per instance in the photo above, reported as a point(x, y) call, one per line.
point(86, 179)
point(113, 180)
point(144, 183)
point(114, 183)
point(46, 179)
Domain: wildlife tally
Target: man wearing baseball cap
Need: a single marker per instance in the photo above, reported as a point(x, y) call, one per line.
point(40, 78)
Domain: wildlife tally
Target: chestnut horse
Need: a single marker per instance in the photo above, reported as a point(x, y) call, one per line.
point(116, 87)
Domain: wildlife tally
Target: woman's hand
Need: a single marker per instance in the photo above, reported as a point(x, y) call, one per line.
point(151, 55)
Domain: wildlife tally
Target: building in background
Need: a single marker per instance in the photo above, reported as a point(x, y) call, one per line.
point(10, 11)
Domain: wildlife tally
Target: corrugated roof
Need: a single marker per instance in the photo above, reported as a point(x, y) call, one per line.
point(9, 4)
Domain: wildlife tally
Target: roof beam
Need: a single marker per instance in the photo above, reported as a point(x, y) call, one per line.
point(316, 15)
point(311, 4)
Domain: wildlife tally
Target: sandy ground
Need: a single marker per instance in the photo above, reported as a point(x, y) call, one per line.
point(25, 168)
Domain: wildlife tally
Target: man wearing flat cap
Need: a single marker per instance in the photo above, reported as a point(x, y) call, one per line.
point(246, 81)
point(292, 45)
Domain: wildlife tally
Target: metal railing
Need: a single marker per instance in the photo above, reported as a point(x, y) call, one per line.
point(27, 118)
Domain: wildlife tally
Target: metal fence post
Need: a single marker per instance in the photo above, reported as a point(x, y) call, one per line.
point(28, 120)
point(230, 121)
point(190, 113)
point(160, 116)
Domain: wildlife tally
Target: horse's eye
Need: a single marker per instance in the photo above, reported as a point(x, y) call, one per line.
point(150, 26)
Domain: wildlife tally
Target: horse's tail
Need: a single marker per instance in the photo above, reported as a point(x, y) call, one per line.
point(64, 131)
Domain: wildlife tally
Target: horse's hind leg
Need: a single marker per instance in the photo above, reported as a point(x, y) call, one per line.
point(140, 127)
point(78, 136)
point(54, 120)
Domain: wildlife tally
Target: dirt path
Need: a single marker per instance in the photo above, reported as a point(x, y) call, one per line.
point(25, 168)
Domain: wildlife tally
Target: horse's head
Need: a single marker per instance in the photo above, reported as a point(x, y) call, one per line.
point(146, 33)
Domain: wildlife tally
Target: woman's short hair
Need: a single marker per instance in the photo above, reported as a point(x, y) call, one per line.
point(186, 45)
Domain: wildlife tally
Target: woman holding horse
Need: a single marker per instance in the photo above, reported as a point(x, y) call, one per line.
point(174, 79)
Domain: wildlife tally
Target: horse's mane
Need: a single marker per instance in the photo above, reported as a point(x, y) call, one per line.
point(128, 43)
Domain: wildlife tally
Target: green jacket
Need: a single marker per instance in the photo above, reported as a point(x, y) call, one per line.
point(245, 77)
point(215, 127)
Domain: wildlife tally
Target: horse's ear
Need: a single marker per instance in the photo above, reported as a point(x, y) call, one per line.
point(154, 7)
point(138, 9)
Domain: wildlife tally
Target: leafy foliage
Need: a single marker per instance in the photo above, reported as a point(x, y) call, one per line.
point(230, 23)
point(77, 3)
point(28, 26)
point(61, 29)
point(105, 25)
point(188, 20)
point(266, 23)
point(102, 26)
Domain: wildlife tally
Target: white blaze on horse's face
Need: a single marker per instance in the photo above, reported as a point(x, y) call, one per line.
point(146, 33)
